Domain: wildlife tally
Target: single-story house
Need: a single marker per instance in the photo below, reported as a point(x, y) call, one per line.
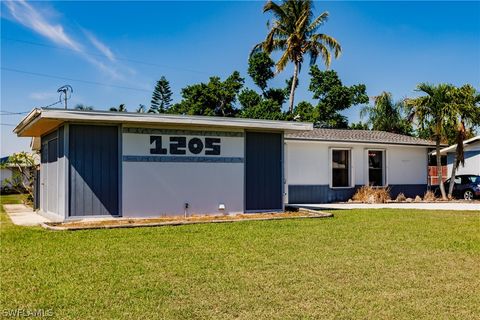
point(9, 175)
point(328, 165)
point(471, 148)
point(97, 163)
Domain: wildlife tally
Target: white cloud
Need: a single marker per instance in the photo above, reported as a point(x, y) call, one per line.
point(103, 48)
point(26, 15)
point(36, 20)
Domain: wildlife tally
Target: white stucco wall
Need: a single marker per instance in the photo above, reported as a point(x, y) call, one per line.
point(163, 188)
point(472, 160)
point(308, 163)
point(5, 173)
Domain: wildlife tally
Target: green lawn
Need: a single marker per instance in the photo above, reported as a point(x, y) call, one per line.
point(377, 264)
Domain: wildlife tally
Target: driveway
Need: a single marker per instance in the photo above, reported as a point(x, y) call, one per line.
point(460, 206)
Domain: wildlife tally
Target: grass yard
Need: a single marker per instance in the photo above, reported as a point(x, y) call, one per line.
point(377, 264)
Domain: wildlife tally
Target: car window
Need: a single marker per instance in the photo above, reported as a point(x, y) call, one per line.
point(457, 180)
point(472, 179)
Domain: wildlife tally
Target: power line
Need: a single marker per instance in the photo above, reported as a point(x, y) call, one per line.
point(8, 124)
point(71, 79)
point(105, 56)
point(5, 113)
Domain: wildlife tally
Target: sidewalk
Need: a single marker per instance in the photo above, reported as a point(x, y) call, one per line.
point(456, 206)
point(22, 215)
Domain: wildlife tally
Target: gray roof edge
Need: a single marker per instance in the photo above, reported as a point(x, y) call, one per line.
point(428, 144)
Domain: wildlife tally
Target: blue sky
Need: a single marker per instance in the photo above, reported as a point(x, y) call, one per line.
point(388, 46)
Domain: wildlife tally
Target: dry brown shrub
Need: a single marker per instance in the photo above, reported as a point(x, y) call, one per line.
point(401, 197)
point(429, 196)
point(369, 194)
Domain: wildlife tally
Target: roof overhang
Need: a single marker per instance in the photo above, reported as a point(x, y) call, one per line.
point(453, 147)
point(41, 121)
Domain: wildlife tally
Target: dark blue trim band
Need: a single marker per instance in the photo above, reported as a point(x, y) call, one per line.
point(183, 132)
point(182, 159)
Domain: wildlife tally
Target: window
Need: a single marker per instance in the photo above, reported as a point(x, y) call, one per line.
point(375, 168)
point(340, 168)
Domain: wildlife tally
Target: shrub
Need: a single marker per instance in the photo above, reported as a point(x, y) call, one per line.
point(369, 194)
point(429, 196)
point(401, 197)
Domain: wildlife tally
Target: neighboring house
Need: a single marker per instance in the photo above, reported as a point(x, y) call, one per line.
point(327, 165)
point(7, 173)
point(471, 149)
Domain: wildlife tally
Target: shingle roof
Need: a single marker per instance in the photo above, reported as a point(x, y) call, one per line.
point(365, 136)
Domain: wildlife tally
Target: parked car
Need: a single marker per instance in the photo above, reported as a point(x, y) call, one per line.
point(465, 187)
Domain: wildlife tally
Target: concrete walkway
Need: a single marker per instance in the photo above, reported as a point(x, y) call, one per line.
point(457, 206)
point(22, 215)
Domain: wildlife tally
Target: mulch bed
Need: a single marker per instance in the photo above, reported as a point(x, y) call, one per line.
point(177, 221)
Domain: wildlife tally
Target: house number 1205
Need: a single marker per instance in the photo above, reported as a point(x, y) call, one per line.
point(179, 145)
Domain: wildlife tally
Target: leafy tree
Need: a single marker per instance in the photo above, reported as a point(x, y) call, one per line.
point(260, 68)
point(161, 97)
point(83, 107)
point(294, 32)
point(23, 177)
point(121, 108)
point(215, 98)
point(387, 115)
point(306, 112)
point(434, 110)
point(142, 109)
point(359, 126)
point(254, 106)
point(333, 97)
point(275, 94)
point(466, 105)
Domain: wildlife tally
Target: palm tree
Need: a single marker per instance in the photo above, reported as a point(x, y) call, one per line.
point(433, 110)
point(387, 115)
point(121, 108)
point(466, 105)
point(294, 31)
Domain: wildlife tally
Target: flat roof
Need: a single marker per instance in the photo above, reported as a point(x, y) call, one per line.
point(40, 121)
point(357, 136)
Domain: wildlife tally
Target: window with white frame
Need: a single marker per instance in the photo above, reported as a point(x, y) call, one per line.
point(341, 168)
point(376, 167)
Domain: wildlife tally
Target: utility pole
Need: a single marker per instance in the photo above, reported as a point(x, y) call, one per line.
point(67, 91)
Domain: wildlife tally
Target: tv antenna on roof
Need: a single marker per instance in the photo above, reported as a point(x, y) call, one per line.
point(66, 91)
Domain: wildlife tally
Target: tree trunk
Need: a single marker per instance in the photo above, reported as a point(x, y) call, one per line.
point(452, 177)
point(439, 168)
point(292, 89)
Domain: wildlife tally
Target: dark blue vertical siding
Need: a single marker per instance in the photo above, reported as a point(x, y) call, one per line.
point(263, 171)
point(93, 174)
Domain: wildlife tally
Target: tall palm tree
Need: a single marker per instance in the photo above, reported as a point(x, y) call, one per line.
point(434, 110)
point(387, 115)
point(466, 102)
point(294, 31)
